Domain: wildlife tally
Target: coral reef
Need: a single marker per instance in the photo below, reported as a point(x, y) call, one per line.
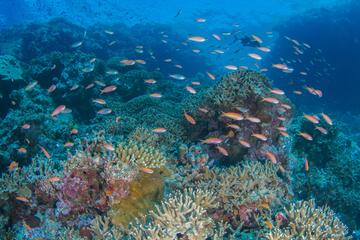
point(10, 68)
point(305, 221)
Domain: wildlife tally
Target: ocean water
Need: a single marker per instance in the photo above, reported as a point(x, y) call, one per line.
point(179, 119)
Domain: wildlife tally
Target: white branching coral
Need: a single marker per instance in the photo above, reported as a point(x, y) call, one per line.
point(308, 222)
point(182, 215)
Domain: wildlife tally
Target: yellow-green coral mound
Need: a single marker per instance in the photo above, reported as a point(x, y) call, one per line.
point(141, 154)
point(182, 216)
point(308, 222)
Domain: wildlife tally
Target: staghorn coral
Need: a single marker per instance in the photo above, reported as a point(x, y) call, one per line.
point(306, 221)
point(140, 154)
point(182, 216)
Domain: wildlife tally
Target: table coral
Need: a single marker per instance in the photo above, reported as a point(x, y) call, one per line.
point(306, 221)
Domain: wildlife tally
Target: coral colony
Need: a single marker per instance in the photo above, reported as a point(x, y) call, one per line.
point(99, 147)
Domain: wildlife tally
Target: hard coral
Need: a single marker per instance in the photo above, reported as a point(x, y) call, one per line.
point(306, 221)
point(10, 68)
point(182, 216)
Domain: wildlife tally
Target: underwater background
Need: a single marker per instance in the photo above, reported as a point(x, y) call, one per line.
point(179, 119)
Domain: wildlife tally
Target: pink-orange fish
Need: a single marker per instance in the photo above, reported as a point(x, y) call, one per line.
point(204, 110)
point(245, 143)
point(253, 119)
point(306, 136)
point(270, 100)
point(109, 147)
point(189, 118)
point(22, 199)
point(259, 136)
point(233, 126)
point(211, 76)
point(255, 56)
point(190, 90)
point(52, 88)
point(150, 81)
point(216, 36)
point(45, 152)
point(74, 131)
point(222, 150)
point(327, 119)
point(146, 170)
point(159, 130)
point(108, 89)
point(306, 165)
point(99, 101)
point(322, 130)
point(104, 111)
point(312, 119)
point(22, 150)
point(54, 179)
point(212, 141)
point(271, 156)
point(12, 166)
point(233, 115)
point(197, 39)
point(277, 91)
point(26, 126)
point(68, 144)
point(155, 95)
point(231, 67)
point(58, 110)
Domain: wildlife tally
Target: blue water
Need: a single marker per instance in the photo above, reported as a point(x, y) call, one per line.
point(70, 52)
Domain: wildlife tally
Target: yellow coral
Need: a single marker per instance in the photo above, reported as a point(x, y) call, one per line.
point(140, 154)
point(308, 222)
point(145, 191)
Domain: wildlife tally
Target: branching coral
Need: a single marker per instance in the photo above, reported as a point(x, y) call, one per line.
point(183, 216)
point(305, 221)
point(141, 155)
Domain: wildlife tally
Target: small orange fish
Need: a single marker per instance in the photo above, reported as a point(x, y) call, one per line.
point(245, 143)
point(233, 115)
point(297, 92)
point(196, 83)
point(26, 126)
point(23, 199)
point(322, 130)
point(140, 61)
point(74, 131)
point(190, 90)
point(52, 88)
point(282, 119)
point(233, 126)
point(312, 119)
point(155, 95)
point(99, 101)
point(216, 36)
point(327, 119)
point(46, 153)
point(255, 56)
point(256, 38)
point(146, 170)
point(283, 129)
point(104, 111)
point(286, 106)
point(280, 66)
point(259, 136)
point(27, 227)
point(189, 118)
point(159, 130)
point(253, 119)
point(270, 100)
point(108, 89)
point(231, 67)
point(271, 156)
point(306, 136)
point(211, 76)
point(197, 39)
point(277, 91)
point(222, 150)
point(306, 165)
point(269, 224)
point(13, 165)
point(150, 81)
point(264, 49)
point(109, 146)
point(68, 144)
point(22, 150)
point(54, 179)
point(204, 110)
point(127, 62)
point(58, 110)
point(212, 141)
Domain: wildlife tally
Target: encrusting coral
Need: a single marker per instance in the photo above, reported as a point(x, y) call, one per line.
point(306, 221)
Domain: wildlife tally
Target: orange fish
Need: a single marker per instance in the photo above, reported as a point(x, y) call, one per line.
point(256, 38)
point(253, 119)
point(190, 90)
point(286, 106)
point(195, 83)
point(270, 100)
point(306, 136)
point(104, 111)
point(99, 101)
point(269, 224)
point(216, 36)
point(222, 150)
point(155, 95)
point(264, 49)
point(108, 89)
point(204, 110)
point(26, 126)
point(327, 118)
point(68, 144)
point(196, 39)
point(271, 156)
point(277, 91)
point(52, 88)
point(255, 56)
point(233, 116)
point(54, 179)
point(127, 62)
point(140, 61)
point(231, 67)
point(58, 110)
point(211, 76)
point(259, 136)
point(312, 119)
point(281, 118)
point(46, 153)
point(23, 199)
point(13, 165)
point(297, 92)
point(189, 118)
point(245, 143)
point(109, 146)
point(306, 165)
point(74, 131)
point(146, 170)
point(280, 66)
point(150, 81)
point(22, 150)
point(159, 130)
point(233, 126)
point(212, 141)
point(322, 130)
